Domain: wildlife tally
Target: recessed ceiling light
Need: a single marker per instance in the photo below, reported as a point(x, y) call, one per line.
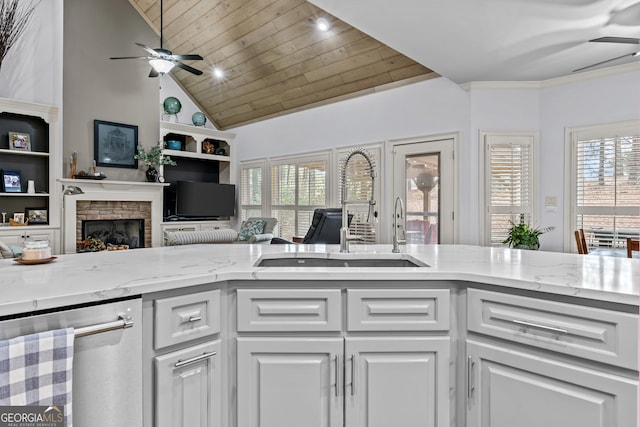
point(323, 24)
point(218, 73)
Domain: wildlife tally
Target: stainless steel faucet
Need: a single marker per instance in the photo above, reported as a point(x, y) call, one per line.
point(396, 216)
point(345, 237)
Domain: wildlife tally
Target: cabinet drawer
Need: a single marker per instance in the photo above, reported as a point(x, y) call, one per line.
point(186, 317)
point(602, 335)
point(289, 310)
point(218, 225)
point(398, 309)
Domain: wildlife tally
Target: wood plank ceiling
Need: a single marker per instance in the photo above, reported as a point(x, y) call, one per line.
point(274, 59)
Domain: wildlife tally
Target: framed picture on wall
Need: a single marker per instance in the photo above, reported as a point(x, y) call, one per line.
point(114, 144)
point(11, 181)
point(19, 141)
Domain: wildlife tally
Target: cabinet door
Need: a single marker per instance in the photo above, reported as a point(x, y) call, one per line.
point(397, 382)
point(290, 382)
point(188, 387)
point(18, 235)
point(507, 388)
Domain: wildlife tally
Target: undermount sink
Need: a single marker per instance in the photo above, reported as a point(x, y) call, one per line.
point(339, 260)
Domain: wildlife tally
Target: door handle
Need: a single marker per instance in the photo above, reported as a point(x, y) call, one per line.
point(337, 374)
point(470, 377)
point(353, 374)
point(194, 359)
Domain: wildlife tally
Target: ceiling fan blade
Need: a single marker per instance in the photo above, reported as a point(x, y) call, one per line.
point(190, 57)
point(153, 72)
point(188, 68)
point(148, 49)
point(604, 62)
point(628, 40)
point(129, 57)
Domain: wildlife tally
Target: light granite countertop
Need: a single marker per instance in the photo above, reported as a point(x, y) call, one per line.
point(89, 277)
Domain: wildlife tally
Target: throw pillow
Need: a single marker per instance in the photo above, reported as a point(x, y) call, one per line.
point(5, 251)
point(249, 228)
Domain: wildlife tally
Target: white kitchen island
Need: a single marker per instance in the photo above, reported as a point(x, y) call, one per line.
point(482, 337)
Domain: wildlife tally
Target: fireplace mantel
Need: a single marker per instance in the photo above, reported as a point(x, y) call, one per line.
point(105, 190)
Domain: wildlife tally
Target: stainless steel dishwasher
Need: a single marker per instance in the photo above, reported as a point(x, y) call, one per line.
point(107, 361)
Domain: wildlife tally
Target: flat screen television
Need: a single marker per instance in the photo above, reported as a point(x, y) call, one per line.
point(205, 199)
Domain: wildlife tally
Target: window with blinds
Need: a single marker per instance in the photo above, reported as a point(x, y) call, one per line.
point(606, 190)
point(251, 190)
point(298, 186)
point(360, 188)
point(509, 183)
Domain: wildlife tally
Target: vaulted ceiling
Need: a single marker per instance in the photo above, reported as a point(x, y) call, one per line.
point(277, 62)
point(274, 58)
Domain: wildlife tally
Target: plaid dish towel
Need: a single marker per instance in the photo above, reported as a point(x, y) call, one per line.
point(37, 370)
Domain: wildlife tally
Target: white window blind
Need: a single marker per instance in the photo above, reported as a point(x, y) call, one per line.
point(509, 183)
point(298, 186)
point(360, 188)
point(606, 193)
point(251, 190)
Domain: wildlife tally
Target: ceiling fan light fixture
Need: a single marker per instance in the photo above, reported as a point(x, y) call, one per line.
point(218, 73)
point(162, 66)
point(322, 24)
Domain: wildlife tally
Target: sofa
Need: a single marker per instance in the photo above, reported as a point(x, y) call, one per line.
point(254, 230)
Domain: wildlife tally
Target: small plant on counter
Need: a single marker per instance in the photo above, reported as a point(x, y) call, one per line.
point(154, 157)
point(523, 236)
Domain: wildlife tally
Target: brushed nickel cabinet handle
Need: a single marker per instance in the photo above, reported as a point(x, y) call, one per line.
point(470, 379)
point(353, 374)
point(337, 374)
point(542, 327)
point(194, 359)
point(195, 319)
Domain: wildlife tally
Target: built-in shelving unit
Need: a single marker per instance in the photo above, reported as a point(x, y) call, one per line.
point(193, 139)
point(205, 155)
point(39, 163)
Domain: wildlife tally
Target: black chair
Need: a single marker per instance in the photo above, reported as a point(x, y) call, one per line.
point(325, 227)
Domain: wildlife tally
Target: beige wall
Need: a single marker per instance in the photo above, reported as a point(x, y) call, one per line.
point(95, 87)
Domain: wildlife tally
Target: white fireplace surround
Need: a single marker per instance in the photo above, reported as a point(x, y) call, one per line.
point(104, 190)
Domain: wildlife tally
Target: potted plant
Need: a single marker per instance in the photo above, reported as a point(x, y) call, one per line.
point(153, 159)
point(523, 236)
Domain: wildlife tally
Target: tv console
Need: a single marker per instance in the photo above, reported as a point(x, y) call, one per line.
point(192, 225)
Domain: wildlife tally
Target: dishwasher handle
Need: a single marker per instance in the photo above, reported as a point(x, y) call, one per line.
point(124, 321)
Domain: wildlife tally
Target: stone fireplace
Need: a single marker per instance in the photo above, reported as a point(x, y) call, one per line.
point(115, 222)
point(111, 201)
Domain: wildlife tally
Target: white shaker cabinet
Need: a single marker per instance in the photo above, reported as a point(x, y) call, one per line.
point(554, 364)
point(188, 388)
point(290, 382)
point(307, 368)
point(396, 381)
point(18, 235)
point(512, 388)
point(183, 346)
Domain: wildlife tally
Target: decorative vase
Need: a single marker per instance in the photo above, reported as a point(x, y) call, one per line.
point(152, 174)
point(198, 119)
point(172, 105)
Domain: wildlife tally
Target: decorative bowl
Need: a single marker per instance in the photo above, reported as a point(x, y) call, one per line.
point(174, 145)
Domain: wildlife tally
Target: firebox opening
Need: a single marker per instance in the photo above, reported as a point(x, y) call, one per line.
point(116, 232)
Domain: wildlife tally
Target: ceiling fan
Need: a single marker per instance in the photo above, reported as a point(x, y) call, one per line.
point(163, 60)
point(624, 40)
